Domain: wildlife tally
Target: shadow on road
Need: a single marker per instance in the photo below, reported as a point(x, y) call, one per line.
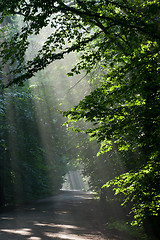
point(70, 215)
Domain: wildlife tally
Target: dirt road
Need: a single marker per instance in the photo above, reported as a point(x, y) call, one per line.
point(72, 215)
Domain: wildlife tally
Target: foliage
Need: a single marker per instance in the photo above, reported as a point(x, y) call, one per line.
point(124, 110)
point(124, 227)
point(98, 169)
point(118, 27)
point(142, 189)
point(29, 169)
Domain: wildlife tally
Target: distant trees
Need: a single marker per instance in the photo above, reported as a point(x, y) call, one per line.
point(120, 37)
point(30, 168)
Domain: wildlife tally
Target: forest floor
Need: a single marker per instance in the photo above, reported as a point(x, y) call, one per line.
point(72, 215)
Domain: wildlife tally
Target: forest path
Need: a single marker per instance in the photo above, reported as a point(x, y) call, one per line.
point(72, 215)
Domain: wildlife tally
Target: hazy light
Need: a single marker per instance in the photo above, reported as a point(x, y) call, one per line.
point(34, 238)
point(23, 231)
point(62, 235)
point(7, 218)
point(64, 226)
point(74, 181)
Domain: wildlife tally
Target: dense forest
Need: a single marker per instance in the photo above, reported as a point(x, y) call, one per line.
point(91, 66)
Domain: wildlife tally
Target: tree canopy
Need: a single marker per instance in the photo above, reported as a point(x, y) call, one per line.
point(120, 28)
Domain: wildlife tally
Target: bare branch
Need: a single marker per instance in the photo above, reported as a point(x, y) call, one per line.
point(77, 82)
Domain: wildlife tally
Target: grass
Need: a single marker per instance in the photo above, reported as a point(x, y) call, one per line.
point(124, 227)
